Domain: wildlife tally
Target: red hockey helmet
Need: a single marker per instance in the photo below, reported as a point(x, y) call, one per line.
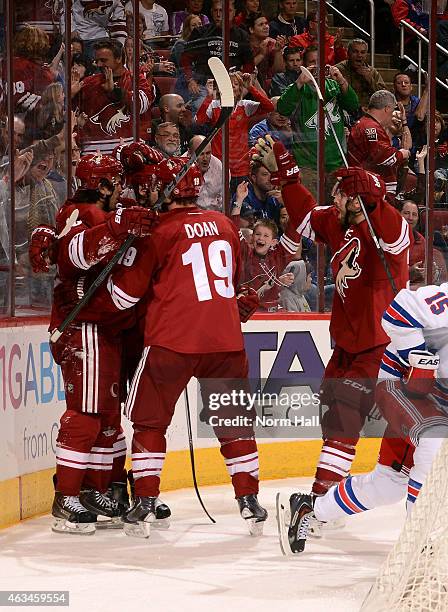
point(189, 185)
point(142, 178)
point(94, 167)
point(136, 155)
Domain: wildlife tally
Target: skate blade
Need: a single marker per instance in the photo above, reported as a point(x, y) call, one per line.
point(283, 513)
point(61, 525)
point(142, 529)
point(255, 526)
point(115, 522)
point(161, 524)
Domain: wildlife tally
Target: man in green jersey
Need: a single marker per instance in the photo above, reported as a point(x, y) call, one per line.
point(300, 100)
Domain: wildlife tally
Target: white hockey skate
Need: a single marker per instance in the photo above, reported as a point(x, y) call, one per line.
point(254, 514)
point(70, 516)
point(139, 519)
point(293, 519)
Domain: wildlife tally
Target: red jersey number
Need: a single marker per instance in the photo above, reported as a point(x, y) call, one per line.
point(220, 261)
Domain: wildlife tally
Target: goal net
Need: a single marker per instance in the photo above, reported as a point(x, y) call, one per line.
point(415, 574)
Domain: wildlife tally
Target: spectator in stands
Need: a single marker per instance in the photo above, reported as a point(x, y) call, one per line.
point(43, 206)
point(58, 175)
point(77, 46)
point(167, 139)
point(364, 79)
point(401, 138)
point(192, 7)
point(205, 42)
point(267, 52)
point(441, 142)
point(414, 106)
point(160, 65)
point(83, 66)
point(47, 119)
point(94, 21)
point(334, 48)
point(277, 125)
point(417, 251)
point(299, 101)
point(263, 262)
point(411, 12)
point(253, 198)
point(172, 110)
point(238, 124)
point(210, 195)
point(19, 135)
point(155, 18)
point(191, 23)
point(22, 163)
point(369, 144)
point(287, 23)
point(292, 298)
point(106, 99)
point(31, 75)
point(292, 58)
point(245, 8)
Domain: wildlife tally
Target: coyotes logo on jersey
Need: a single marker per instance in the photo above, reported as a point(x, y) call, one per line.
point(110, 118)
point(349, 268)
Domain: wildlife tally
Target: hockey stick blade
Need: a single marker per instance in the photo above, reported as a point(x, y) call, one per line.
point(225, 89)
point(307, 73)
point(283, 517)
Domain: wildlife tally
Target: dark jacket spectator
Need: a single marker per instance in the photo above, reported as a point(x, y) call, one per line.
point(206, 42)
point(287, 22)
point(292, 58)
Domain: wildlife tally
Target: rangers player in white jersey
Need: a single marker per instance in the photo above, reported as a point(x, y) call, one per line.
point(412, 395)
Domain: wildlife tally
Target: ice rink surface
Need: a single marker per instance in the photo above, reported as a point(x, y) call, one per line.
point(196, 566)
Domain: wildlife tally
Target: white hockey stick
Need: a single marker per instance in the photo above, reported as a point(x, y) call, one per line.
point(225, 89)
point(344, 159)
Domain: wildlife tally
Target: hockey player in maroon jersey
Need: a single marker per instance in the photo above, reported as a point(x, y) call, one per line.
point(90, 446)
point(106, 99)
point(189, 269)
point(412, 397)
point(369, 143)
point(363, 291)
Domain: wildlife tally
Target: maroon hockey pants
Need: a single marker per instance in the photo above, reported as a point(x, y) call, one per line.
point(160, 378)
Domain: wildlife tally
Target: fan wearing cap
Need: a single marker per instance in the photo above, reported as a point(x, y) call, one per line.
point(363, 292)
point(189, 268)
point(90, 447)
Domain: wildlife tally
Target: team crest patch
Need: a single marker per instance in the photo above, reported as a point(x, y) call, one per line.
point(349, 269)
